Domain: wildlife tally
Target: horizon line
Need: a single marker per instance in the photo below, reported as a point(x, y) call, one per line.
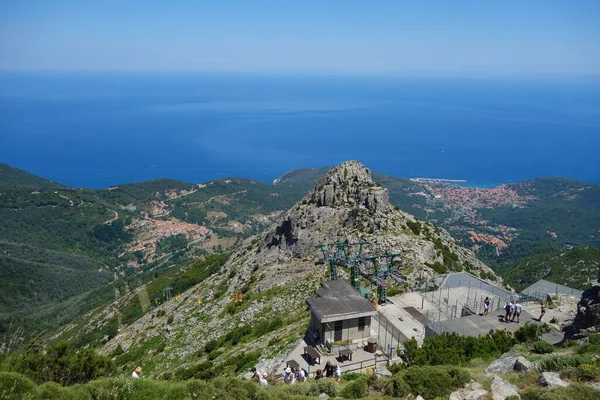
point(312, 72)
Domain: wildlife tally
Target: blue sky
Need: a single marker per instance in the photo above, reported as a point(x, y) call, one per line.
point(497, 37)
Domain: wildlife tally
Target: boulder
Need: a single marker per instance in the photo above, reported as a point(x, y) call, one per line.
point(471, 391)
point(551, 380)
point(522, 365)
point(502, 365)
point(323, 396)
point(502, 389)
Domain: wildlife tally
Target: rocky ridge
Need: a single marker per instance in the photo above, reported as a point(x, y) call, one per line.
point(278, 269)
point(587, 319)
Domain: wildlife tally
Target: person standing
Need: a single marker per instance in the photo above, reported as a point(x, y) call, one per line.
point(262, 379)
point(543, 311)
point(517, 312)
point(301, 375)
point(337, 375)
point(136, 372)
point(486, 306)
point(508, 311)
point(329, 370)
point(288, 375)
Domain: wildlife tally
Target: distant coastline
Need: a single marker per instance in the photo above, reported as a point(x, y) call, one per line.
point(460, 182)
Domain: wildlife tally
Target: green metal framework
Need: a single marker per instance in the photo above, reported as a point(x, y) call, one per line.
point(351, 256)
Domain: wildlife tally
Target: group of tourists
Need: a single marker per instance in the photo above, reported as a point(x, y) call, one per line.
point(512, 310)
point(261, 378)
point(293, 375)
point(330, 371)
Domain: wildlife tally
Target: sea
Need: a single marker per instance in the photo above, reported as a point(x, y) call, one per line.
point(99, 129)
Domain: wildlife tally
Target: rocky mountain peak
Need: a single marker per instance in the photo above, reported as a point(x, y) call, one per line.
point(279, 268)
point(349, 185)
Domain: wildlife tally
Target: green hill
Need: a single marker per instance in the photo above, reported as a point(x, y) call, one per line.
point(13, 178)
point(71, 242)
point(144, 191)
point(575, 268)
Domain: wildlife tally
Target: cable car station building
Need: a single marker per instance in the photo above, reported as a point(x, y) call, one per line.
point(340, 315)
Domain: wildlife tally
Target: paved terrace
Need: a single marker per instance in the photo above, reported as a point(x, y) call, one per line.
point(475, 325)
point(361, 360)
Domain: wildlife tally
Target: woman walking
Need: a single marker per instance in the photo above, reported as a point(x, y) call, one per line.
point(486, 306)
point(543, 312)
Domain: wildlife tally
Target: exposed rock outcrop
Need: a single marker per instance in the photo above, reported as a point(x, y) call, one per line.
point(502, 389)
point(471, 391)
point(551, 380)
point(587, 320)
point(522, 365)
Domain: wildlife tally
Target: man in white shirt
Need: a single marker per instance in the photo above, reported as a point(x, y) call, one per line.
point(517, 312)
point(301, 375)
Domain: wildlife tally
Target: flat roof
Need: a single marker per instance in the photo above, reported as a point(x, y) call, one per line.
point(337, 300)
point(544, 287)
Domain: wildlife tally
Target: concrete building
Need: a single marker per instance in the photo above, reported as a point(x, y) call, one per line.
point(340, 314)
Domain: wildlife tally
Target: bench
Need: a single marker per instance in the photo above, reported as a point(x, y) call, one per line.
point(292, 364)
point(313, 354)
point(345, 353)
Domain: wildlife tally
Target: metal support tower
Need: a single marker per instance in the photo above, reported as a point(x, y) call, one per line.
point(341, 254)
point(167, 292)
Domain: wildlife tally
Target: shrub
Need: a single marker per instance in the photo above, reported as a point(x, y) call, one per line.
point(439, 267)
point(571, 392)
point(204, 370)
point(435, 381)
point(560, 363)
point(15, 386)
point(415, 227)
point(327, 386)
point(397, 387)
point(589, 372)
point(244, 361)
point(355, 389)
point(60, 364)
point(588, 348)
point(594, 338)
point(454, 349)
point(351, 376)
point(526, 333)
point(211, 345)
point(542, 347)
point(531, 332)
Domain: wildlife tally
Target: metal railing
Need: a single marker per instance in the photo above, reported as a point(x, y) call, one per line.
point(389, 337)
point(451, 304)
point(351, 367)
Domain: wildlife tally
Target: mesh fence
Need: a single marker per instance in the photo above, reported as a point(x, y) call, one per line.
point(462, 294)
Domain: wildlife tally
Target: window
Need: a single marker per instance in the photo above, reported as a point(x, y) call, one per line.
point(361, 323)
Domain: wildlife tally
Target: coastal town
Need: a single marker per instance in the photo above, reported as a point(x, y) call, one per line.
point(462, 204)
